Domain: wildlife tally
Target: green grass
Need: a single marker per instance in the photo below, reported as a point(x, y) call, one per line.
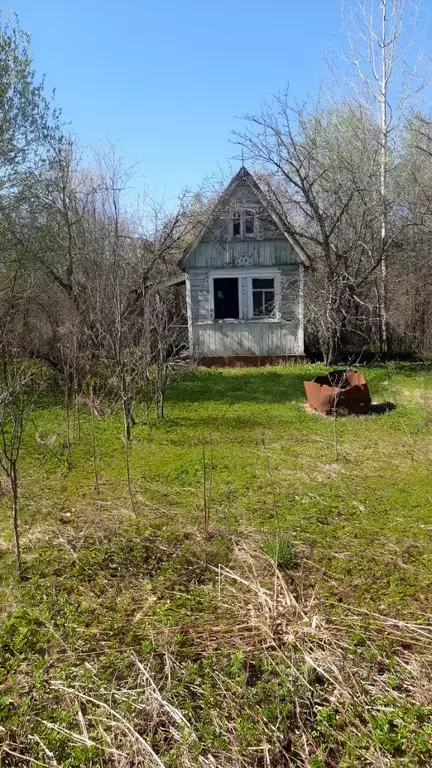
point(363, 516)
point(104, 592)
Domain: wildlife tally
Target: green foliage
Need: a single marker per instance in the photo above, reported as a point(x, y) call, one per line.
point(402, 730)
point(282, 551)
point(102, 587)
point(28, 119)
point(22, 634)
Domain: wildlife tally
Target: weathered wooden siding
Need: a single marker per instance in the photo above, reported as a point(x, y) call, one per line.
point(200, 296)
point(242, 197)
point(267, 247)
point(257, 253)
point(219, 251)
point(246, 337)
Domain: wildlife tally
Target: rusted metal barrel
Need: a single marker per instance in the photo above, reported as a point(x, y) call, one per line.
point(344, 392)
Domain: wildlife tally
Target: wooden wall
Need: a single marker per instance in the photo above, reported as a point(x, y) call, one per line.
point(246, 337)
point(257, 253)
point(219, 251)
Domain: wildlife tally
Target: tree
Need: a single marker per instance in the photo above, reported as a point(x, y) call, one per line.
point(168, 339)
point(383, 74)
point(410, 269)
point(321, 177)
point(17, 378)
point(28, 124)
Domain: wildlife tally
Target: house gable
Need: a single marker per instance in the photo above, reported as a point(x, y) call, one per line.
point(244, 279)
point(224, 241)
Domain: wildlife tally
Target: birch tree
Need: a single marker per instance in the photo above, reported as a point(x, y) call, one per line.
point(385, 75)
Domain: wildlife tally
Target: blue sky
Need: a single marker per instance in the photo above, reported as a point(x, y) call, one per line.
point(168, 80)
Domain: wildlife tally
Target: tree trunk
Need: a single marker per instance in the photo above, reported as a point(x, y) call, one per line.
point(383, 177)
point(15, 519)
point(94, 452)
point(126, 427)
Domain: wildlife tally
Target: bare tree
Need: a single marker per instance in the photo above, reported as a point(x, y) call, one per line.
point(17, 384)
point(130, 322)
point(410, 270)
point(386, 76)
point(168, 334)
point(322, 180)
point(14, 381)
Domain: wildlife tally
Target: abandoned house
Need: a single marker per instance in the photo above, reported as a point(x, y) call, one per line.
point(244, 281)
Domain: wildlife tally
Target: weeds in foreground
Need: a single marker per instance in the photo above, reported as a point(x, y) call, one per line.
point(261, 677)
point(134, 640)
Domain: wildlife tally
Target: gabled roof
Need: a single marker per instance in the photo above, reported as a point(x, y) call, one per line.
point(244, 174)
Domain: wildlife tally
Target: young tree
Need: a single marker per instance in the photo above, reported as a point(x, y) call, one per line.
point(168, 335)
point(14, 381)
point(17, 377)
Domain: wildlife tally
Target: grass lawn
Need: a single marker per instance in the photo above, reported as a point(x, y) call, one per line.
point(142, 640)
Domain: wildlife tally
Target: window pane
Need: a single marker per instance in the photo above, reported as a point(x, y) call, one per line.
point(267, 283)
point(249, 222)
point(269, 302)
point(226, 299)
point(257, 303)
point(236, 224)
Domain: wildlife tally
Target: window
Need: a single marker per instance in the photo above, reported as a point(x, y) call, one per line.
point(226, 298)
point(243, 223)
point(263, 297)
point(249, 222)
point(246, 295)
point(236, 224)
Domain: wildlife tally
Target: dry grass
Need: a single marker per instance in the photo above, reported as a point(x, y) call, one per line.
point(150, 640)
point(333, 662)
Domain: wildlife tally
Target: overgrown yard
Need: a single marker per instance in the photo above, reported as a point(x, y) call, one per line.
point(169, 637)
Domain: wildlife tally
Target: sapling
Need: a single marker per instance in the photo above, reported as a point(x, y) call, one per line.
point(207, 465)
point(15, 403)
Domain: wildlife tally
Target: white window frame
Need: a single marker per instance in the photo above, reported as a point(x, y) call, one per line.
point(214, 276)
point(247, 316)
point(242, 211)
point(275, 317)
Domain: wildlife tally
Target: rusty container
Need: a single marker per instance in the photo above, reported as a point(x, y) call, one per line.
point(344, 392)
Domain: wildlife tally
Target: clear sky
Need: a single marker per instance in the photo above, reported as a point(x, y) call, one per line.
point(168, 79)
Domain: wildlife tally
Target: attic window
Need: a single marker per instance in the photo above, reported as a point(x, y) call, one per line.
point(249, 222)
point(243, 223)
point(236, 224)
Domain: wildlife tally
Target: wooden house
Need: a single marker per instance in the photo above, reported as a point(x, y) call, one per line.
point(244, 281)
